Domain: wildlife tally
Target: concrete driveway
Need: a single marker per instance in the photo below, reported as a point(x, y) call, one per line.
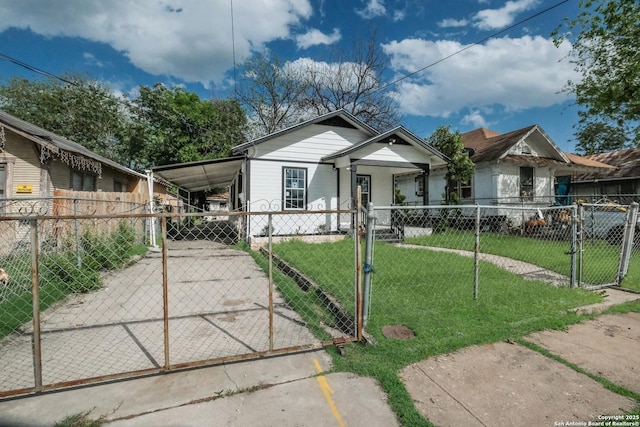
point(218, 307)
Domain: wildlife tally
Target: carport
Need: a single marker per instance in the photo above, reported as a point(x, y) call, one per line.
point(202, 175)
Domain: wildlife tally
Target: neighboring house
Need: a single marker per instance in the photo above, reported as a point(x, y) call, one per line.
point(522, 167)
point(621, 184)
point(318, 164)
point(34, 163)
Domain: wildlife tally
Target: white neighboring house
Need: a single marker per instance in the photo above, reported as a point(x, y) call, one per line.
point(318, 164)
point(522, 167)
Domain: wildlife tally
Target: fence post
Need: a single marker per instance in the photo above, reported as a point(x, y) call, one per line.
point(627, 241)
point(580, 242)
point(368, 259)
point(270, 243)
point(35, 291)
point(574, 241)
point(476, 251)
point(358, 266)
point(165, 293)
point(76, 227)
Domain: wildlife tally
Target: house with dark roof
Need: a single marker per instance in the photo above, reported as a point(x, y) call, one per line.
point(524, 166)
point(318, 164)
point(35, 163)
point(621, 184)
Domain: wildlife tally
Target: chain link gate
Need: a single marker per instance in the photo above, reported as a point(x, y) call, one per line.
point(91, 298)
point(608, 238)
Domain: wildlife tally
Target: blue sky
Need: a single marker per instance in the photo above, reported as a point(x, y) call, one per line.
point(505, 83)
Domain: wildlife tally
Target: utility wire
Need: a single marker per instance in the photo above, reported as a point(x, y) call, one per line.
point(504, 30)
point(34, 69)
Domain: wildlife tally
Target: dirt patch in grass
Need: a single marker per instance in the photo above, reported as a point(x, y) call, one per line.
point(399, 332)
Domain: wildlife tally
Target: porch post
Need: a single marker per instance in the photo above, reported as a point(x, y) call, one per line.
point(425, 185)
point(354, 194)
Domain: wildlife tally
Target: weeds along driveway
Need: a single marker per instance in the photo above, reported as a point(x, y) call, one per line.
point(217, 301)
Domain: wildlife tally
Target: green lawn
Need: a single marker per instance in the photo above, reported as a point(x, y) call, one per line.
point(433, 295)
point(600, 259)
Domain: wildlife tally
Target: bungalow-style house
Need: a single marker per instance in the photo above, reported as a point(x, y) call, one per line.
point(522, 167)
point(34, 163)
point(621, 184)
point(318, 164)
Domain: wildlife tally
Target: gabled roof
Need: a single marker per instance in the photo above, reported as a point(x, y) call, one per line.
point(488, 145)
point(57, 143)
point(339, 116)
point(626, 162)
point(398, 132)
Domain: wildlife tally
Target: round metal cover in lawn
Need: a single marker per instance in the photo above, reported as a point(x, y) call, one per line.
point(399, 332)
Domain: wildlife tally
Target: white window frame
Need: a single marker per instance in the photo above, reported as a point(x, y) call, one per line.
point(294, 188)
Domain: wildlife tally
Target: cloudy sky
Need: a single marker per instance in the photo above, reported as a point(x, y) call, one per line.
point(504, 83)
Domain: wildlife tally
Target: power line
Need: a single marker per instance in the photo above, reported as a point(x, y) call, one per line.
point(34, 69)
point(406, 76)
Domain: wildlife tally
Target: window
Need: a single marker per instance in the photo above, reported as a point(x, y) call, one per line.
point(295, 188)
point(82, 181)
point(118, 187)
point(464, 189)
point(2, 181)
point(364, 181)
point(526, 184)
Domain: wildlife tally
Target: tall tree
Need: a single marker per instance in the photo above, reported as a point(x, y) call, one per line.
point(352, 80)
point(271, 93)
point(84, 110)
point(598, 137)
point(278, 95)
point(460, 169)
point(176, 126)
point(605, 53)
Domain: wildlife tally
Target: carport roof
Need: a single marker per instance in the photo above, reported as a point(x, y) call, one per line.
point(201, 175)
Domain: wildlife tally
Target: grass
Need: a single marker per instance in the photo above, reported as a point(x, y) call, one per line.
point(62, 273)
point(600, 259)
point(433, 295)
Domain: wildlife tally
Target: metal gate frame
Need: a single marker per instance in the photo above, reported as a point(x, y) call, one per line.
point(36, 230)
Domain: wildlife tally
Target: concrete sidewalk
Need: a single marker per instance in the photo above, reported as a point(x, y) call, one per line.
point(278, 391)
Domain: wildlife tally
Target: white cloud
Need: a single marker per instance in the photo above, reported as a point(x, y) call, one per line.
point(453, 23)
point(316, 37)
point(513, 73)
point(188, 40)
point(90, 59)
point(373, 9)
point(492, 19)
point(475, 119)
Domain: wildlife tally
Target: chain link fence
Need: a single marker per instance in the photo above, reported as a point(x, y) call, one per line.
point(89, 298)
point(565, 246)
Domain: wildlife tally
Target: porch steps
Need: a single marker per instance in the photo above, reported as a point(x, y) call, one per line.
point(387, 235)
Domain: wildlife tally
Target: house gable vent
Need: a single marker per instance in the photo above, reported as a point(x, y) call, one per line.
point(337, 122)
point(525, 149)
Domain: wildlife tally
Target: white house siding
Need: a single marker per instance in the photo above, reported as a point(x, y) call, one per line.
point(392, 153)
point(406, 183)
point(266, 186)
point(437, 186)
point(310, 143)
point(484, 184)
